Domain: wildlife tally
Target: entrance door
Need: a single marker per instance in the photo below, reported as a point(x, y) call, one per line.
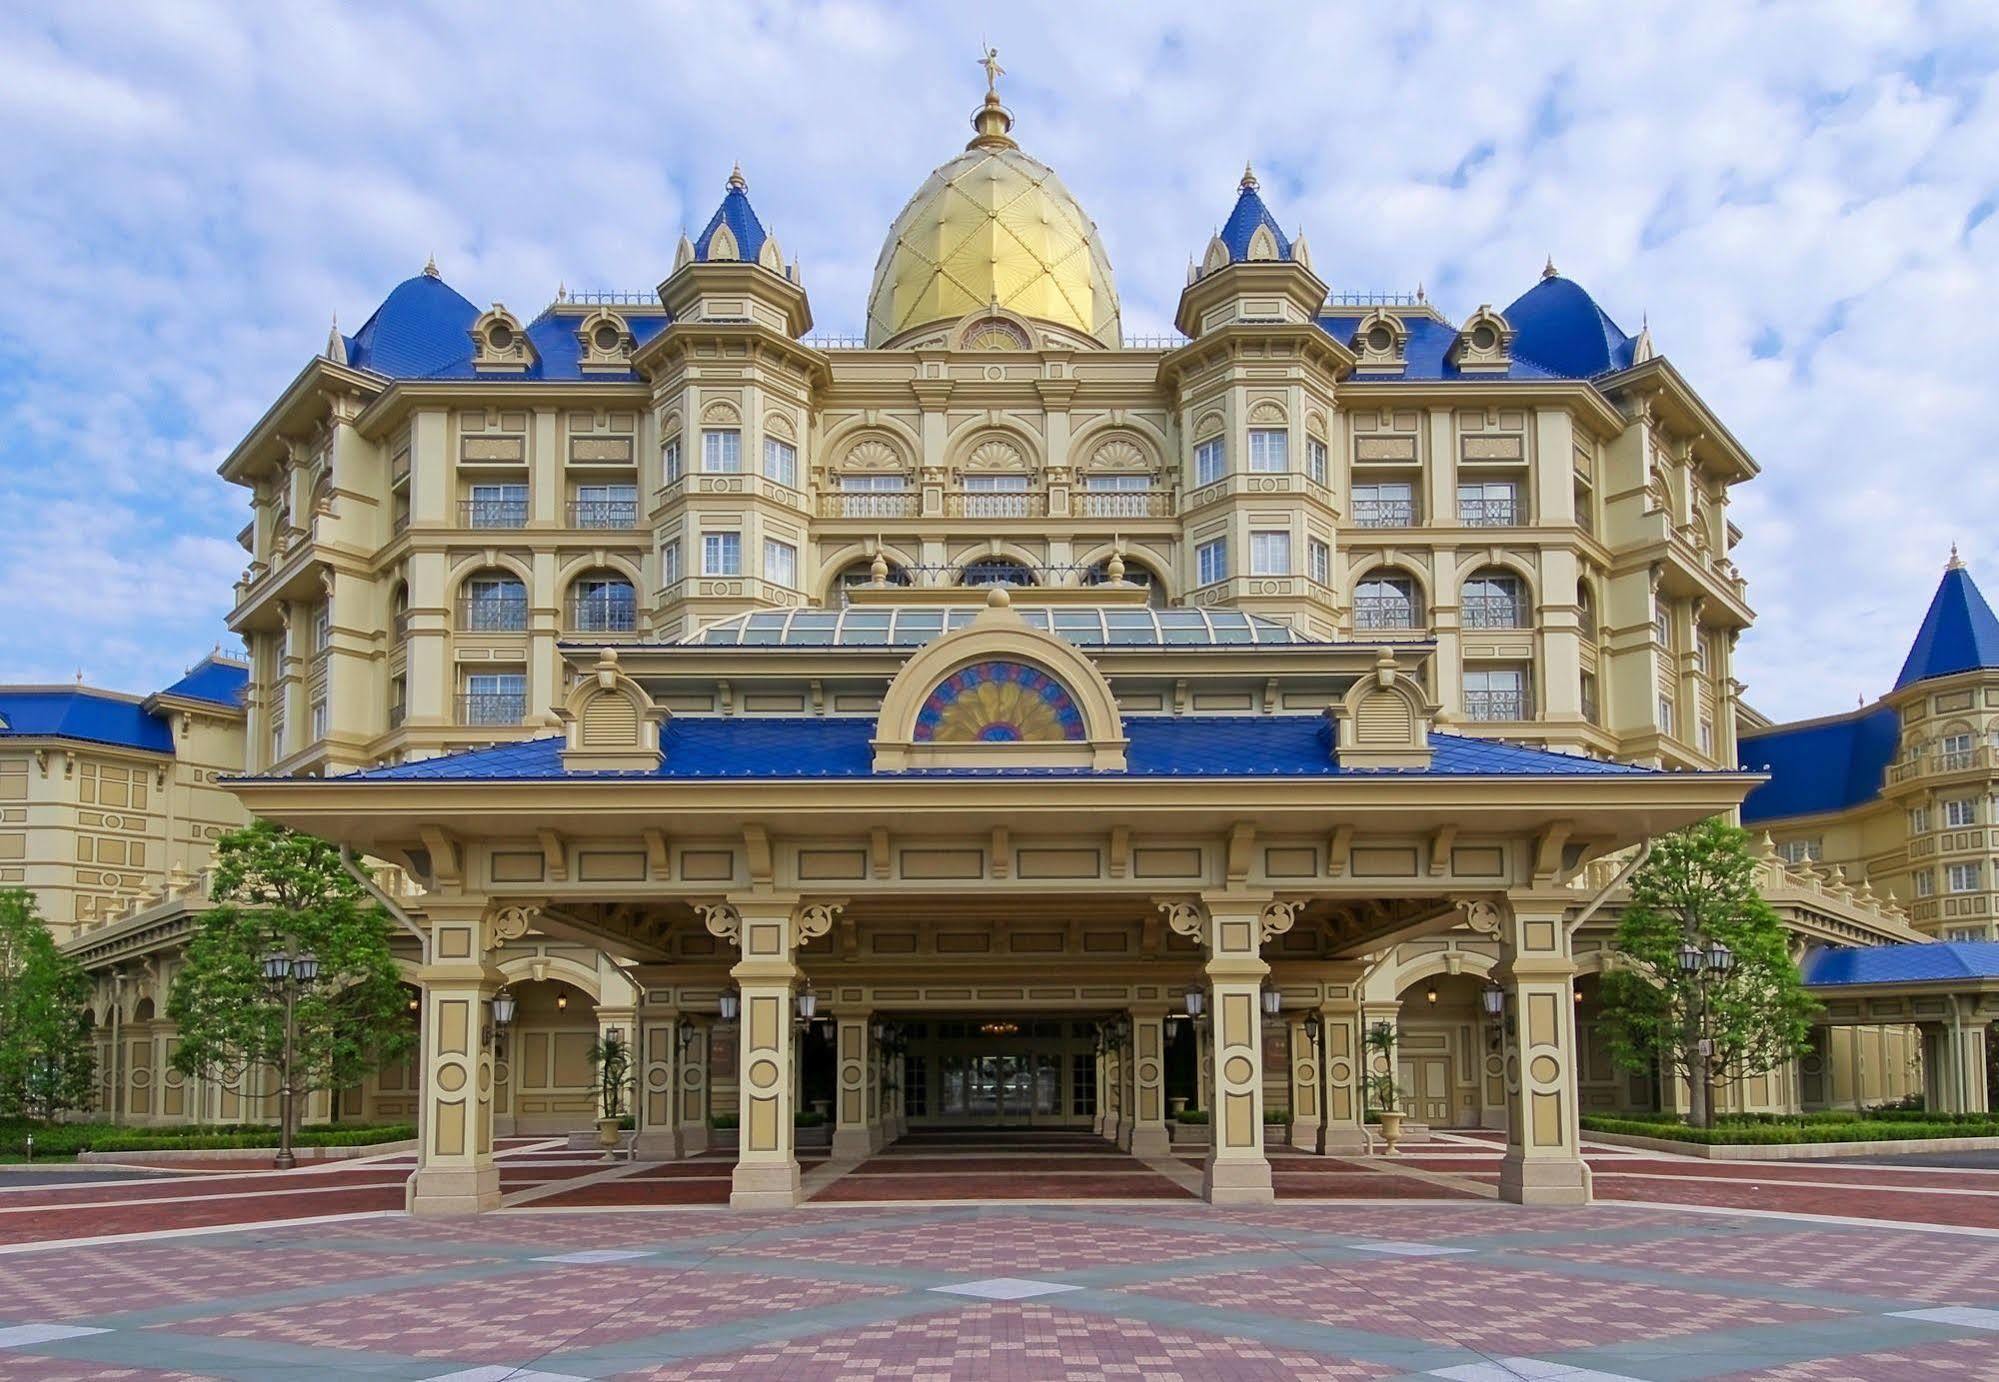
point(1002, 1073)
point(1428, 1082)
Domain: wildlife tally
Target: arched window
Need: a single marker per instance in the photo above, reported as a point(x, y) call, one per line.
point(399, 610)
point(1134, 574)
point(861, 574)
point(493, 602)
point(995, 571)
point(1493, 600)
point(603, 602)
point(1585, 612)
point(1386, 600)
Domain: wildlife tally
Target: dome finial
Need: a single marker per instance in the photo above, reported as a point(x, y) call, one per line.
point(1955, 563)
point(1249, 182)
point(1548, 270)
point(737, 182)
point(992, 120)
point(430, 266)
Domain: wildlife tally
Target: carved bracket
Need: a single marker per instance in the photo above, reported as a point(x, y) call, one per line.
point(1187, 918)
point(1482, 914)
point(722, 920)
point(1278, 917)
point(812, 920)
point(509, 921)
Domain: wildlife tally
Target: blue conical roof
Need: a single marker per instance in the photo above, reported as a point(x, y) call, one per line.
point(1959, 634)
point(420, 327)
point(1249, 213)
point(740, 217)
point(1558, 325)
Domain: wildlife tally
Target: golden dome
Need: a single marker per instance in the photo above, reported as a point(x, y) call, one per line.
point(993, 227)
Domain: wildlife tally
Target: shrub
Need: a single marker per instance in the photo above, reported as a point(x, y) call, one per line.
point(723, 1122)
point(1193, 1115)
point(67, 1139)
point(1774, 1134)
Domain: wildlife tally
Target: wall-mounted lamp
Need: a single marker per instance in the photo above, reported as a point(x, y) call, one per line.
point(500, 1017)
point(808, 1004)
point(729, 1005)
point(562, 1002)
point(1273, 1002)
point(1197, 1002)
point(1430, 994)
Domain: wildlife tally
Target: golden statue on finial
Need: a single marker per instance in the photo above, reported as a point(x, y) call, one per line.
point(993, 70)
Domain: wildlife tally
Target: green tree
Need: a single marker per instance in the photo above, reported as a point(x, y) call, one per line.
point(1709, 1024)
point(283, 892)
point(46, 1059)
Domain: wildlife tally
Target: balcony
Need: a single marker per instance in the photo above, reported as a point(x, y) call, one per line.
point(1124, 504)
point(871, 504)
point(1490, 612)
point(604, 513)
point(604, 613)
point(1384, 513)
point(492, 707)
point(1922, 765)
point(1489, 513)
point(995, 504)
point(493, 513)
point(1496, 705)
point(1383, 614)
point(492, 614)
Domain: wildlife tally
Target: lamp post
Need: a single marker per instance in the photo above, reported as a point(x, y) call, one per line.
point(1705, 966)
point(287, 973)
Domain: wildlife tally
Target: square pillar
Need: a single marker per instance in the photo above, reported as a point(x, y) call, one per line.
point(853, 1129)
point(1306, 1036)
point(1954, 1065)
point(1103, 1100)
point(656, 1060)
point(1543, 1162)
point(766, 1175)
point(1113, 1093)
point(456, 1174)
point(1232, 928)
point(1148, 1135)
point(691, 1084)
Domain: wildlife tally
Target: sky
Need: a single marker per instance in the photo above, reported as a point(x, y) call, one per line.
point(1798, 198)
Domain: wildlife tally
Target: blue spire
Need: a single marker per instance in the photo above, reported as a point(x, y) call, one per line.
point(1249, 213)
point(1959, 634)
point(736, 213)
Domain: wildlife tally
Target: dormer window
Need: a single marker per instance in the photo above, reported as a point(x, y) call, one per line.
point(1380, 341)
point(606, 342)
point(499, 345)
point(1485, 344)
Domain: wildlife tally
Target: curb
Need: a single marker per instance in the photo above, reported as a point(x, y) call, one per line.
point(198, 1154)
point(1795, 1151)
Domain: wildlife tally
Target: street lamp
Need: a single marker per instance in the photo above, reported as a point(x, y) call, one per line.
point(1705, 966)
point(287, 973)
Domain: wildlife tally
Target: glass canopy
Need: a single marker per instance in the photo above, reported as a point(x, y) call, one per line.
point(914, 625)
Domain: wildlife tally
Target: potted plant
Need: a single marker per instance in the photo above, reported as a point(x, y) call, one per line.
point(1383, 1094)
point(611, 1058)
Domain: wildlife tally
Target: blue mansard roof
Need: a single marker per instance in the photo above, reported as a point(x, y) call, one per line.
point(1959, 633)
point(1428, 349)
point(421, 326)
point(1248, 213)
point(1820, 765)
point(214, 679)
point(1557, 325)
point(1200, 746)
point(1915, 963)
point(79, 713)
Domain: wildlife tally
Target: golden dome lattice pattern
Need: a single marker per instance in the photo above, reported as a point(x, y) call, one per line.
point(993, 226)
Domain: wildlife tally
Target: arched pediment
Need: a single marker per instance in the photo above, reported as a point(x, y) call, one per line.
point(610, 723)
point(998, 693)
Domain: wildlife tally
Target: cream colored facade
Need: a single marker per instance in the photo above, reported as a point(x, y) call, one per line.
point(1461, 546)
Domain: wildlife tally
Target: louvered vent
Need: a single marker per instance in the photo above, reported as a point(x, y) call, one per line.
point(610, 722)
point(1382, 720)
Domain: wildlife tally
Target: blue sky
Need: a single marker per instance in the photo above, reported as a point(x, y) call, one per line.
point(1798, 197)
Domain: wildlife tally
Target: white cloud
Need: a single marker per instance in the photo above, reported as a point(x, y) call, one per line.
point(195, 188)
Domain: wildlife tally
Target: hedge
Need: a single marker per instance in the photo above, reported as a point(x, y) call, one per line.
point(1771, 1134)
point(56, 1140)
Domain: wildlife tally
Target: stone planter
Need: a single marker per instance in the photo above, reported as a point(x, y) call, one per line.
point(1190, 1134)
point(820, 1136)
point(724, 1139)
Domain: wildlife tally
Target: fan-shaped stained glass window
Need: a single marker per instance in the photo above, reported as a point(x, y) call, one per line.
point(998, 703)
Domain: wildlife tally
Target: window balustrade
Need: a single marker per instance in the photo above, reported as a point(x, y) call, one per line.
point(492, 614)
point(1384, 513)
point(492, 707)
point(493, 513)
point(604, 513)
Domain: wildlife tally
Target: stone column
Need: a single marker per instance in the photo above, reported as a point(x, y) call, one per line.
point(692, 1085)
point(766, 929)
point(1341, 1071)
point(1232, 927)
point(1103, 1102)
point(1113, 1088)
point(1959, 1084)
point(1148, 1135)
point(1543, 1162)
point(455, 1172)
point(1305, 1035)
point(655, 1063)
point(1204, 1068)
point(853, 1133)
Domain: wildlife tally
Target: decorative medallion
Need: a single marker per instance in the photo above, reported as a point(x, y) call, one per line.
point(998, 703)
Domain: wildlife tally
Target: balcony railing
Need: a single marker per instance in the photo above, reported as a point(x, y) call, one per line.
point(492, 707)
point(881, 503)
point(1490, 612)
point(1383, 612)
point(604, 613)
point(1123, 503)
point(995, 504)
point(1496, 705)
point(1489, 513)
point(492, 614)
point(1384, 513)
point(493, 513)
point(604, 513)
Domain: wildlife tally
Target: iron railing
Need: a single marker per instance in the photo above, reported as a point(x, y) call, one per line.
point(1495, 705)
point(493, 513)
point(1384, 513)
point(493, 613)
point(492, 707)
point(1384, 612)
point(603, 513)
point(1490, 612)
point(1489, 513)
point(604, 613)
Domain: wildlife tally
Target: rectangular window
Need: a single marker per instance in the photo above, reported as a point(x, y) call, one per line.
point(1590, 711)
point(497, 506)
point(319, 719)
point(1926, 883)
point(605, 506)
point(722, 451)
point(722, 554)
point(1954, 753)
point(669, 562)
point(1965, 933)
point(1496, 693)
point(1492, 601)
point(780, 563)
point(277, 740)
point(1321, 558)
point(1919, 820)
point(1117, 496)
point(322, 627)
point(1961, 812)
point(1662, 625)
point(1211, 561)
point(1270, 554)
point(1963, 878)
point(1707, 737)
point(997, 496)
point(780, 463)
point(1491, 504)
point(1269, 450)
point(1389, 505)
point(875, 496)
point(1802, 851)
point(494, 698)
point(669, 460)
point(1315, 460)
point(1209, 461)
point(1665, 715)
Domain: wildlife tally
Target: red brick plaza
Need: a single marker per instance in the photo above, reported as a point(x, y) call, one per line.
point(1049, 1257)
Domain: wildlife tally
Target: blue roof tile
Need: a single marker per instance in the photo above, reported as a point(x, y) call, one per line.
point(1824, 765)
point(1916, 963)
point(741, 218)
point(1161, 746)
point(94, 717)
point(420, 326)
point(1557, 324)
point(558, 355)
point(213, 679)
point(1248, 213)
point(1958, 634)
point(1427, 352)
